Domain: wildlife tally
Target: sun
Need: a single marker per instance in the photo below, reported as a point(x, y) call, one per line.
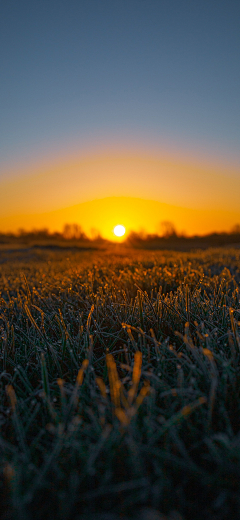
point(119, 231)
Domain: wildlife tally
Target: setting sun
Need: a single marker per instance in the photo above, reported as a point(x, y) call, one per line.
point(119, 231)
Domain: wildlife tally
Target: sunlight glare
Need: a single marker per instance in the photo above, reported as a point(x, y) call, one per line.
point(119, 231)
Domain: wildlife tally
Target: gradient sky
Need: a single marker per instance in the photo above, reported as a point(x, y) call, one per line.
point(103, 98)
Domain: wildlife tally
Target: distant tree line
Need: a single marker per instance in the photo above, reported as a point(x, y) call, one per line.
point(72, 232)
point(171, 239)
point(167, 237)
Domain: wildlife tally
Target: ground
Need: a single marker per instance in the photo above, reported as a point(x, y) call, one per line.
point(119, 384)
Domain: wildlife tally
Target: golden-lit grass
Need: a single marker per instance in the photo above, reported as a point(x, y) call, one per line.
point(120, 385)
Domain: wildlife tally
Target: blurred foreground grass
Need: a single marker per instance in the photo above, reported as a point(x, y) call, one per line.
point(119, 382)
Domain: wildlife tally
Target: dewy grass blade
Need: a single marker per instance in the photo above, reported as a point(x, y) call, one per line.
point(114, 382)
point(179, 416)
point(45, 381)
point(74, 397)
point(140, 304)
point(135, 376)
point(20, 433)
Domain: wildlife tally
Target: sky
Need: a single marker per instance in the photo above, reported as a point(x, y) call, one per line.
point(134, 99)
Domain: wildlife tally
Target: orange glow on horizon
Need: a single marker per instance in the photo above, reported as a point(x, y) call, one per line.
point(140, 190)
point(137, 214)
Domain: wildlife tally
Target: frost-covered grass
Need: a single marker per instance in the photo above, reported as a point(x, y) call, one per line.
point(120, 385)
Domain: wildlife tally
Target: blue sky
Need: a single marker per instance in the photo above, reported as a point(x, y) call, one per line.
point(144, 71)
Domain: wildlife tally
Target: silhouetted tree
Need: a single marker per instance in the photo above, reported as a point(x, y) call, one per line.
point(235, 229)
point(168, 229)
point(73, 232)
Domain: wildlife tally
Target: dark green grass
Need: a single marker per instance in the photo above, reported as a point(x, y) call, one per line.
point(64, 451)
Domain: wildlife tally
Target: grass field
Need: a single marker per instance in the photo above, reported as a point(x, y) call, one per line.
point(120, 385)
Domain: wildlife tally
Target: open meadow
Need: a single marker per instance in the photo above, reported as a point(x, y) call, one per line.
point(120, 384)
